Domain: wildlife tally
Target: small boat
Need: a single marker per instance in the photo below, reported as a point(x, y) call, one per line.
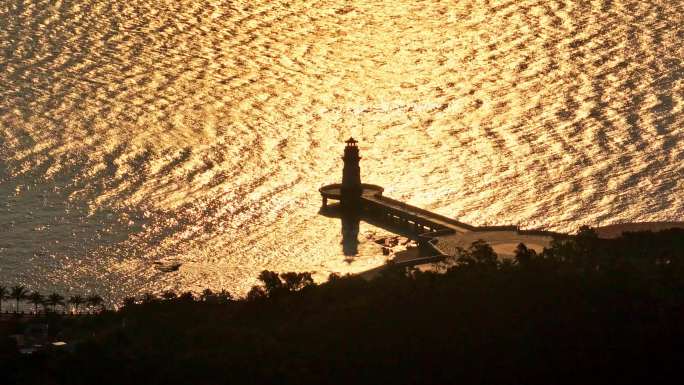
point(168, 266)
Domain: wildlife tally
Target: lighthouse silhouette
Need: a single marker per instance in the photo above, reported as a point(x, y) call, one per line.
point(351, 192)
point(351, 175)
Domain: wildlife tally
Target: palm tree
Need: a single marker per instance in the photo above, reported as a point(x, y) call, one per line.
point(94, 300)
point(18, 293)
point(55, 299)
point(76, 300)
point(3, 295)
point(36, 299)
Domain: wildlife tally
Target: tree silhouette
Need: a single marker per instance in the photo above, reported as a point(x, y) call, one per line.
point(479, 254)
point(55, 299)
point(255, 293)
point(77, 301)
point(296, 281)
point(94, 300)
point(207, 295)
point(523, 255)
point(223, 296)
point(18, 293)
point(271, 281)
point(36, 299)
point(3, 295)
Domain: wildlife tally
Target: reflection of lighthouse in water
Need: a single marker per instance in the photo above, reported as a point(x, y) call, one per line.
point(350, 233)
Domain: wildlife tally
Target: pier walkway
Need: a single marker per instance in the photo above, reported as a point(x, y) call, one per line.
point(438, 235)
point(422, 219)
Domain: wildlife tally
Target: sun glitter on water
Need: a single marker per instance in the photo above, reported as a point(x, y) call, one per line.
point(140, 132)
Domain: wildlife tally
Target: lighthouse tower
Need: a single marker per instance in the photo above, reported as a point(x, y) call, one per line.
point(351, 173)
point(351, 192)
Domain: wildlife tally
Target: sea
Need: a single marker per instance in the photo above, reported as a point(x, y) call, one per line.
point(150, 145)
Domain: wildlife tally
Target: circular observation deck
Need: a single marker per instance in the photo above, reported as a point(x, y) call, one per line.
point(334, 191)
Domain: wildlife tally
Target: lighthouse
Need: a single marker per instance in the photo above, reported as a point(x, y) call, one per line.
point(351, 174)
point(351, 191)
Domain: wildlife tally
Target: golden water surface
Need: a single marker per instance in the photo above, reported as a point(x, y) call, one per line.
point(143, 131)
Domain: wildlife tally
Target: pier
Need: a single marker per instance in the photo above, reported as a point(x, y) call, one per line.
point(439, 236)
point(423, 221)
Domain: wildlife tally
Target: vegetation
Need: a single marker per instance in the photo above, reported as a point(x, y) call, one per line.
point(585, 310)
point(20, 293)
point(4, 294)
point(94, 301)
point(55, 299)
point(36, 299)
point(76, 301)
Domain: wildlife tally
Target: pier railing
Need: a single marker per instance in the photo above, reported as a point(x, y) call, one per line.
point(409, 209)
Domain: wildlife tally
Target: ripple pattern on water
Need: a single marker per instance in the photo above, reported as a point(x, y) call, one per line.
point(148, 130)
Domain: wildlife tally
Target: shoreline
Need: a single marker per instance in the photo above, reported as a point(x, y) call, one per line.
point(616, 230)
point(503, 245)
